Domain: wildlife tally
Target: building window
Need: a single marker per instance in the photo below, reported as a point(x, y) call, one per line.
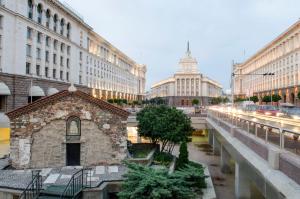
point(30, 9)
point(80, 79)
point(28, 50)
point(47, 41)
point(68, 63)
point(80, 56)
point(38, 70)
point(54, 58)
point(61, 60)
point(62, 47)
point(0, 41)
point(54, 73)
point(48, 18)
point(47, 72)
point(73, 126)
point(67, 76)
point(68, 30)
point(47, 56)
point(61, 75)
point(40, 13)
point(55, 43)
point(69, 50)
point(62, 26)
point(29, 33)
point(55, 19)
point(38, 53)
point(39, 37)
point(1, 21)
point(28, 68)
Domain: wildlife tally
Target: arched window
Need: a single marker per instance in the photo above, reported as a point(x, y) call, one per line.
point(55, 19)
point(40, 13)
point(30, 9)
point(73, 126)
point(48, 17)
point(68, 30)
point(62, 26)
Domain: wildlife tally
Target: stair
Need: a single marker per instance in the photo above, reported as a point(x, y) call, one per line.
point(53, 192)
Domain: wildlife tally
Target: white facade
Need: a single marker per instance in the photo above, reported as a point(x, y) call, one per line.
point(46, 39)
point(281, 57)
point(187, 81)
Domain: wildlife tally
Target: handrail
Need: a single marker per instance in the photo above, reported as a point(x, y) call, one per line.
point(77, 183)
point(284, 138)
point(33, 189)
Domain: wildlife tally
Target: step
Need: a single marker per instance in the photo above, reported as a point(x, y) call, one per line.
point(48, 197)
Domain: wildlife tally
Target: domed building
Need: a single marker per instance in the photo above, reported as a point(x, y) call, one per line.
point(187, 84)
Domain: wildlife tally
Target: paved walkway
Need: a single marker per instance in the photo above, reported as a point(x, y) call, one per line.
point(223, 183)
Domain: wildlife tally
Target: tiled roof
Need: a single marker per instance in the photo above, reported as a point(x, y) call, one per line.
point(62, 94)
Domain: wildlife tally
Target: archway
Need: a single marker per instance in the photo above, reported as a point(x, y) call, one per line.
point(292, 98)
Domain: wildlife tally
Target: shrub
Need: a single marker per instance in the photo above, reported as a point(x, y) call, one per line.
point(183, 158)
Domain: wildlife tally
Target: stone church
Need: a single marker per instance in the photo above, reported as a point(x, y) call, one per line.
point(68, 128)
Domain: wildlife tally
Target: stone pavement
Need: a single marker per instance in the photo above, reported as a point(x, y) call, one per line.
point(19, 179)
point(223, 183)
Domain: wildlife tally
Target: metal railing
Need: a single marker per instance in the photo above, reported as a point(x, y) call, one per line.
point(276, 135)
point(33, 190)
point(77, 183)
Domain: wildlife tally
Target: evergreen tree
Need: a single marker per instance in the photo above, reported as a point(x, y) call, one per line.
point(183, 158)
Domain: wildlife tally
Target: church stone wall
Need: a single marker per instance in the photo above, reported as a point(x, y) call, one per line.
point(38, 138)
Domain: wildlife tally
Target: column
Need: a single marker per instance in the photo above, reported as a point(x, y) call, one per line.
point(216, 145)
point(225, 160)
point(242, 183)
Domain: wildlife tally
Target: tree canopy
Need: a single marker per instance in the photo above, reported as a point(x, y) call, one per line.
point(195, 102)
point(276, 98)
point(266, 98)
point(254, 99)
point(165, 124)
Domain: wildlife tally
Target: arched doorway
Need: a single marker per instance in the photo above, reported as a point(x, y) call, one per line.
point(284, 98)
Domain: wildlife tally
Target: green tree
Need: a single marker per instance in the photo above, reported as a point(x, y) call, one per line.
point(124, 101)
point(239, 99)
point(254, 99)
point(165, 124)
point(146, 183)
point(276, 98)
point(195, 102)
point(110, 101)
point(266, 98)
point(225, 100)
point(183, 157)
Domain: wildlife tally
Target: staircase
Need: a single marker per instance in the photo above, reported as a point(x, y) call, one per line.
point(72, 190)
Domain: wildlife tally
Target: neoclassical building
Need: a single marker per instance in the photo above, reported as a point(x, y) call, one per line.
point(46, 45)
point(281, 57)
point(187, 84)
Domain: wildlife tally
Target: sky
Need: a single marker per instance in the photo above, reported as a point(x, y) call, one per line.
point(155, 32)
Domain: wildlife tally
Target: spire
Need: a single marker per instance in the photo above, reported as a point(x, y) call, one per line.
point(188, 52)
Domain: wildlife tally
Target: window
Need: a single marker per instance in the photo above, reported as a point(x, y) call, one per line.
point(54, 73)
point(40, 13)
point(30, 9)
point(80, 56)
point(54, 58)
point(47, 72)
point(1, 21)
point(68, 30)
point(48, 18)
point(80, 79)
point(62, 47)
point(68, 50)
point(38, 68)
point(47, 41)
point(68, 63)
point(28, 50)
point(55, 19)
point(67, 76)
point(28, 69)
point(61, 74)
point(39, 37)
point(62, 26)
point(47, 56)
point(73, 126)
point(55, 43)
point(0, 41)
point(38, 53)
point(29, 33)
point(61, 60)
